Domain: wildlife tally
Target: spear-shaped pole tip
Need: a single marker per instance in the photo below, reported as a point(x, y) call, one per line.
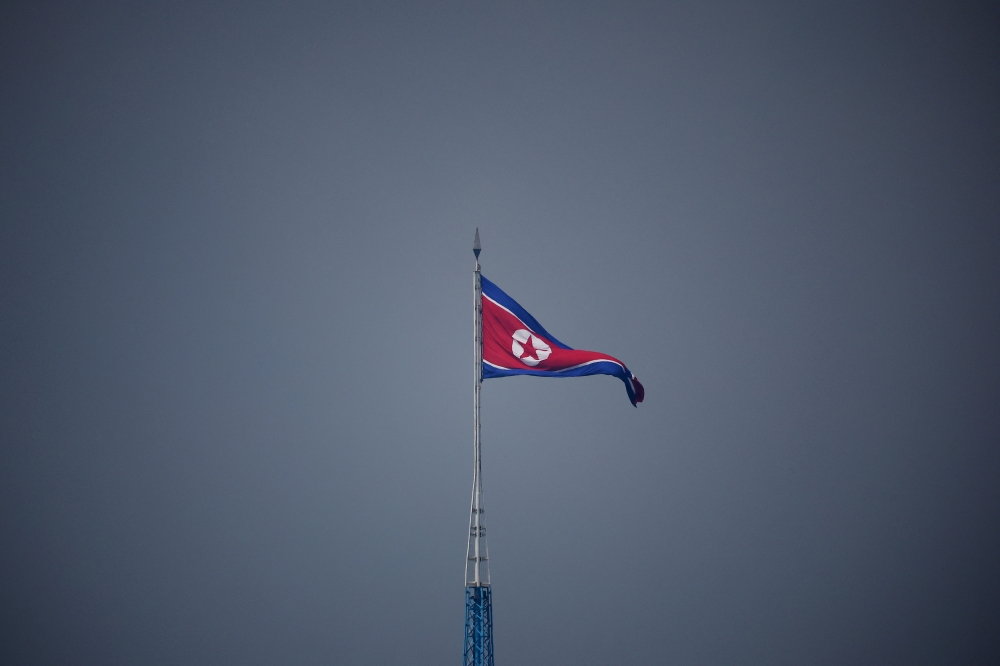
point(476, 247)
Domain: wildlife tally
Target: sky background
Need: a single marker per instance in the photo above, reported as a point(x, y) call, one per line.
point(236, 331)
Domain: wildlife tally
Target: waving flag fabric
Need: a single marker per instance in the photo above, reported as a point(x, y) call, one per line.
point(514, 343)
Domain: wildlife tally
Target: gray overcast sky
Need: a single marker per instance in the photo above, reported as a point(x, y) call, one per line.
point(236, 331)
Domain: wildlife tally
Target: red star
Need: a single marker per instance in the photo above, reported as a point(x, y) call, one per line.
point(529, 349)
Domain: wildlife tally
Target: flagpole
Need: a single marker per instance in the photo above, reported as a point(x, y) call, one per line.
point(478, 647)
point(477, 499)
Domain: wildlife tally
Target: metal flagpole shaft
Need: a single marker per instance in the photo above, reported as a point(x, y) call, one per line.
point(477, 571)
point(478, 648)
point(477, 385)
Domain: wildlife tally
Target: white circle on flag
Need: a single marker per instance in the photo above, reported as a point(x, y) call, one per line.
point(540, 348)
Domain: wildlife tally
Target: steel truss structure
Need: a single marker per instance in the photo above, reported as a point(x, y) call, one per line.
point(478, 627)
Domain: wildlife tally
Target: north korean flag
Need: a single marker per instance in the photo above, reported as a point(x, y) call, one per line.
point(514, 343)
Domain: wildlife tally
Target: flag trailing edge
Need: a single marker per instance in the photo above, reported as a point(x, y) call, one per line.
point(514, 343)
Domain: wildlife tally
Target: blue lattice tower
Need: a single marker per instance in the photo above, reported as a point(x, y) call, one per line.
point(478, 649)
point(478, 627)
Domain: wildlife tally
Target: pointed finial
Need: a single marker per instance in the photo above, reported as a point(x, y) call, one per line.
point(476, 247)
